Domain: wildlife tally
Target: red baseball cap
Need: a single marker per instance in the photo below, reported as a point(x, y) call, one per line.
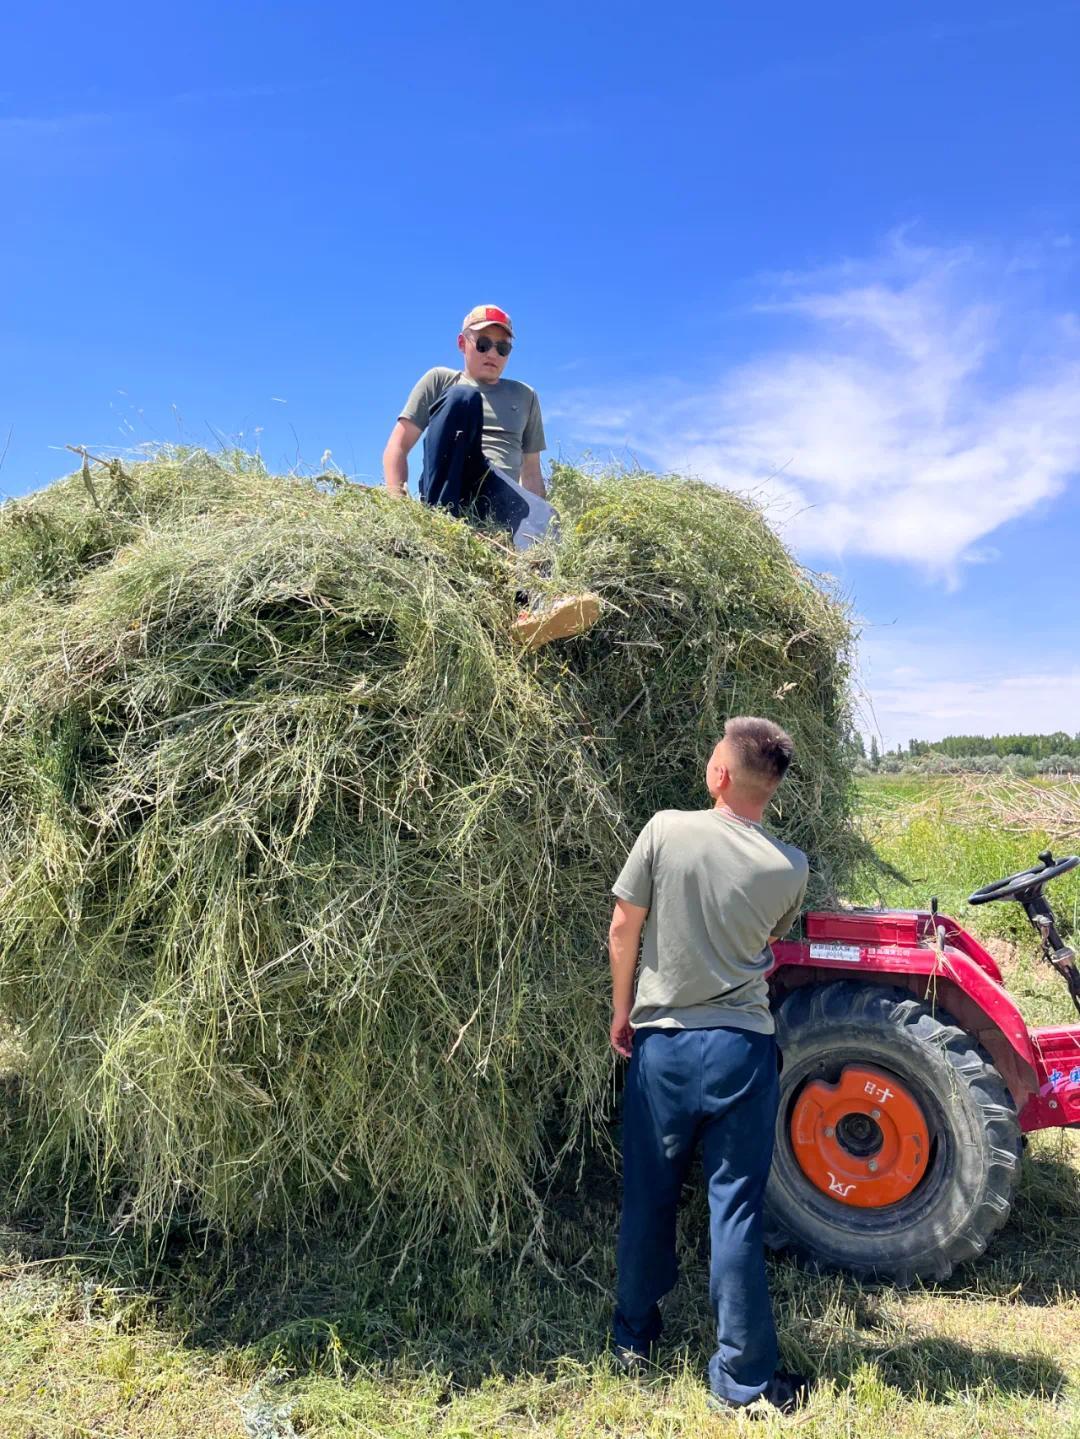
point(481, 315)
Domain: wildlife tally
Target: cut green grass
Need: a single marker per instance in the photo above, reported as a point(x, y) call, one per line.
point(340, 1343)
point(204, 695)
point(337, 1349)
point(304, 866)
point(81, 1362)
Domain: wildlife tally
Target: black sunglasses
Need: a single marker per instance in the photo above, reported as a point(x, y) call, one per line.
point(485, 342)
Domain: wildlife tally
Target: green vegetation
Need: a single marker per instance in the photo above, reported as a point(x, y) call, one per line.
point(1023, 754)
point(304, 866)
point(936, 838)
point(1030, 746)
point(160, 686)
point(196, 1342)
point(100, 1337)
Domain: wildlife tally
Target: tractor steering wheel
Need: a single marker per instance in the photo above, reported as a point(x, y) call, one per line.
point(1027, 880)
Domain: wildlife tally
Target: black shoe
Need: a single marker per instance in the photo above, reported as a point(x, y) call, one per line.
point(785, 1392)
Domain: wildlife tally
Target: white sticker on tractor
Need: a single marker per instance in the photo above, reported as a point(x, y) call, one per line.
point(849, 953)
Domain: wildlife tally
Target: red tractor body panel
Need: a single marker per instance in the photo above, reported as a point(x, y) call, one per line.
point(1058, 1099)
point(937, 960)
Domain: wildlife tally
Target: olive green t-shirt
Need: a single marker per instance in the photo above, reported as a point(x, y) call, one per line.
point(513, 425)
point(716, 887)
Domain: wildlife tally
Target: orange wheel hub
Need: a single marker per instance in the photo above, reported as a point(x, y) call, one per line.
point(862, 1141)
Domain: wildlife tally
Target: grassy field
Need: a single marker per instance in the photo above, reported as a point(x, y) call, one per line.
point(282, 1337)
point(921, 828)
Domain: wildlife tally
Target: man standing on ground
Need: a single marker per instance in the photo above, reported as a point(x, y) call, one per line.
point(710, 889)
point(482, 455)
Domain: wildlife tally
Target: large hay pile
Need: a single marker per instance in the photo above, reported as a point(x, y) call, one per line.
point(304, 868)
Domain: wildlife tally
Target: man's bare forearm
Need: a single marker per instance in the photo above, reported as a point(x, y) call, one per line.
point(396, 471)
point(623, 954)
point(624, 945)
point(532, 477)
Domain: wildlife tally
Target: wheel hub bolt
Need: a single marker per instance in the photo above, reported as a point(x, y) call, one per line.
point(829, 1131)
point(875, 1114)
point(872, 1166)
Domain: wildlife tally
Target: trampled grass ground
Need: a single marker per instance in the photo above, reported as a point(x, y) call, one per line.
point(97, 1338)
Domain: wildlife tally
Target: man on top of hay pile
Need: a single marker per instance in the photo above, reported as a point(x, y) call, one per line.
point(715, 888)
point(482, 456)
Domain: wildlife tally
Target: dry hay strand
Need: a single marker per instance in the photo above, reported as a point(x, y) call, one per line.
point(1016, 805)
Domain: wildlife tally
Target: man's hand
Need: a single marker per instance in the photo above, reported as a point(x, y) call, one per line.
point(622, 1036)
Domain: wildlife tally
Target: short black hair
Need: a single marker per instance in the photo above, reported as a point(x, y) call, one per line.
point(763, 747)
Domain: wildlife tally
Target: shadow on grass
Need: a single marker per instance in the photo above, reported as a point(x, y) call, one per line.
point(1035, 1259)
point(311, 1306)
point(938, 1370)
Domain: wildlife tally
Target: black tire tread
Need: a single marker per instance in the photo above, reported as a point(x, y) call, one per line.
point(847, 1000)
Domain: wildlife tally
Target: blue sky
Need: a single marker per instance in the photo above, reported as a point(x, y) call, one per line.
point(827, 254)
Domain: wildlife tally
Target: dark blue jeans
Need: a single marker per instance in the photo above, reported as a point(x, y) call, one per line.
point(718, 1087)
point(458, 476)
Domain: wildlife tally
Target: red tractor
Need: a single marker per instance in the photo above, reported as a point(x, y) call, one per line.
point(909, 1079)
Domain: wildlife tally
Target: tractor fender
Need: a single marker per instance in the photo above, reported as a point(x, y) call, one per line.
point(948, 978)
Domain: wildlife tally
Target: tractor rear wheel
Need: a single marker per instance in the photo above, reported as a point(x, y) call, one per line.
point(897, 1143)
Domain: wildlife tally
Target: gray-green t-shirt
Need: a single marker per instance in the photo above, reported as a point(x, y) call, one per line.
point(513, 425)
point(716, 887)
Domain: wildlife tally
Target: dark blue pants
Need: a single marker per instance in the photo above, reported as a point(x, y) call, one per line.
point(458, 476)
point(719, 1087)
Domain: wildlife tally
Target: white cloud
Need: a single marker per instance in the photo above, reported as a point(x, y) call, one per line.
point(28, 127)
point(63, 124)
point(922, 688)
point(922, 403)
